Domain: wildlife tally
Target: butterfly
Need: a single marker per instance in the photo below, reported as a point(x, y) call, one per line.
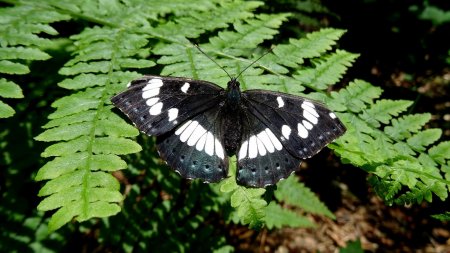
point(198, 125)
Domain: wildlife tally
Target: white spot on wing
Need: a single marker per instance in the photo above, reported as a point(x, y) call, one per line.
point(266, 141)
point(188, 131)
point(243, 150)
point(286, 131)
point(308, 106)
point(252, 147)
point(307, 124)
point(307, 103)
point(199, 131)
point(153, 84)
point(181, 128)
point(276, 143)
point(185, 87)
point(261, 149)
point(173, 114)
point(201, 143)
point(302, 132)
point(152, 101)
point(150, 93)
point(209, 146)
point(280, 102)
point(332, 115)
point(309, 117)
point(219, 149)
point(156, 109)
point(128, 84)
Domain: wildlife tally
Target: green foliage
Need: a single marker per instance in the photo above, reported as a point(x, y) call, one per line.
point(352, 247)
point(435, 15)
point(443, 217)
point(88, 145)
point(22, 41)
point(404, 166)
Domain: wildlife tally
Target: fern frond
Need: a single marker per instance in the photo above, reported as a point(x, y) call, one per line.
point(191, 26)
point(294, 193)
point(443, 217)
point(398, 155)
point(440, 152)
point(405, 126)
point(245, 35)
point(314, 45)
point(383, 110)
point(326, 71)
point(22, 42)
point(424, 138)
point(248, 202)
point(278, 217)
point(89, 136)
point(355, 97)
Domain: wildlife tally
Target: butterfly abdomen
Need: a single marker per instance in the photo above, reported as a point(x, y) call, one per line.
point(232, 131)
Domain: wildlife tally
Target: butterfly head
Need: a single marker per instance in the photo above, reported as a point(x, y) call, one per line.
point(233, 93)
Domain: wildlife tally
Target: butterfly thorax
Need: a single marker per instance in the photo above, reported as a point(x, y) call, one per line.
point(233, 95)
point(232, 121)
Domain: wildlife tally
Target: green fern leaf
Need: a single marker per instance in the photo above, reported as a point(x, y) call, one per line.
point(248, 34)
point(402, 128)
point(385, 188)
point(250, 206)
point(248, 202)
point(278, 217)
point(441, 152)
point(90, 137)
point(314, 45)
point(9, 89)
point(327, 71)
point(207, 20)
point(6, 111)
point(12, 68)
point(424, 138)
point(21, 43)
point(295, 193)
point(354, 97)
point(383, 110)
point(442, 217)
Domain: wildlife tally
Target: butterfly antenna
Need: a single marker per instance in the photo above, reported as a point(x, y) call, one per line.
point(259, 58)
point(199, 49)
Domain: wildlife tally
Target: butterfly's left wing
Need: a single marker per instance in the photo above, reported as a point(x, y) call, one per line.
point(297, 128)
point(262, 158)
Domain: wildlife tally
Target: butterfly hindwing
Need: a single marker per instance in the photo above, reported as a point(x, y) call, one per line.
point(157, 104)
point(195, 148)
point(303, 126)
point(262, 159)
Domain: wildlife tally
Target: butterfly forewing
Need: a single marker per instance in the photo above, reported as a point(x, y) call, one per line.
point(262, 159)
point(303, 126)
point(195, 148)
point(157, 105)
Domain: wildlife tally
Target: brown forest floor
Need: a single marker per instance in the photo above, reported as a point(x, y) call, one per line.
point(378, 227)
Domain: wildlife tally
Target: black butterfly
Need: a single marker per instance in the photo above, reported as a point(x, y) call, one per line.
point(199, 124)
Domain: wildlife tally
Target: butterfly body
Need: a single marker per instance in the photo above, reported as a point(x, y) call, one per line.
point(199, 125)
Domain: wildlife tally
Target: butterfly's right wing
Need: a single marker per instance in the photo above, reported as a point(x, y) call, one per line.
point(158, 104)
point(195, 148)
